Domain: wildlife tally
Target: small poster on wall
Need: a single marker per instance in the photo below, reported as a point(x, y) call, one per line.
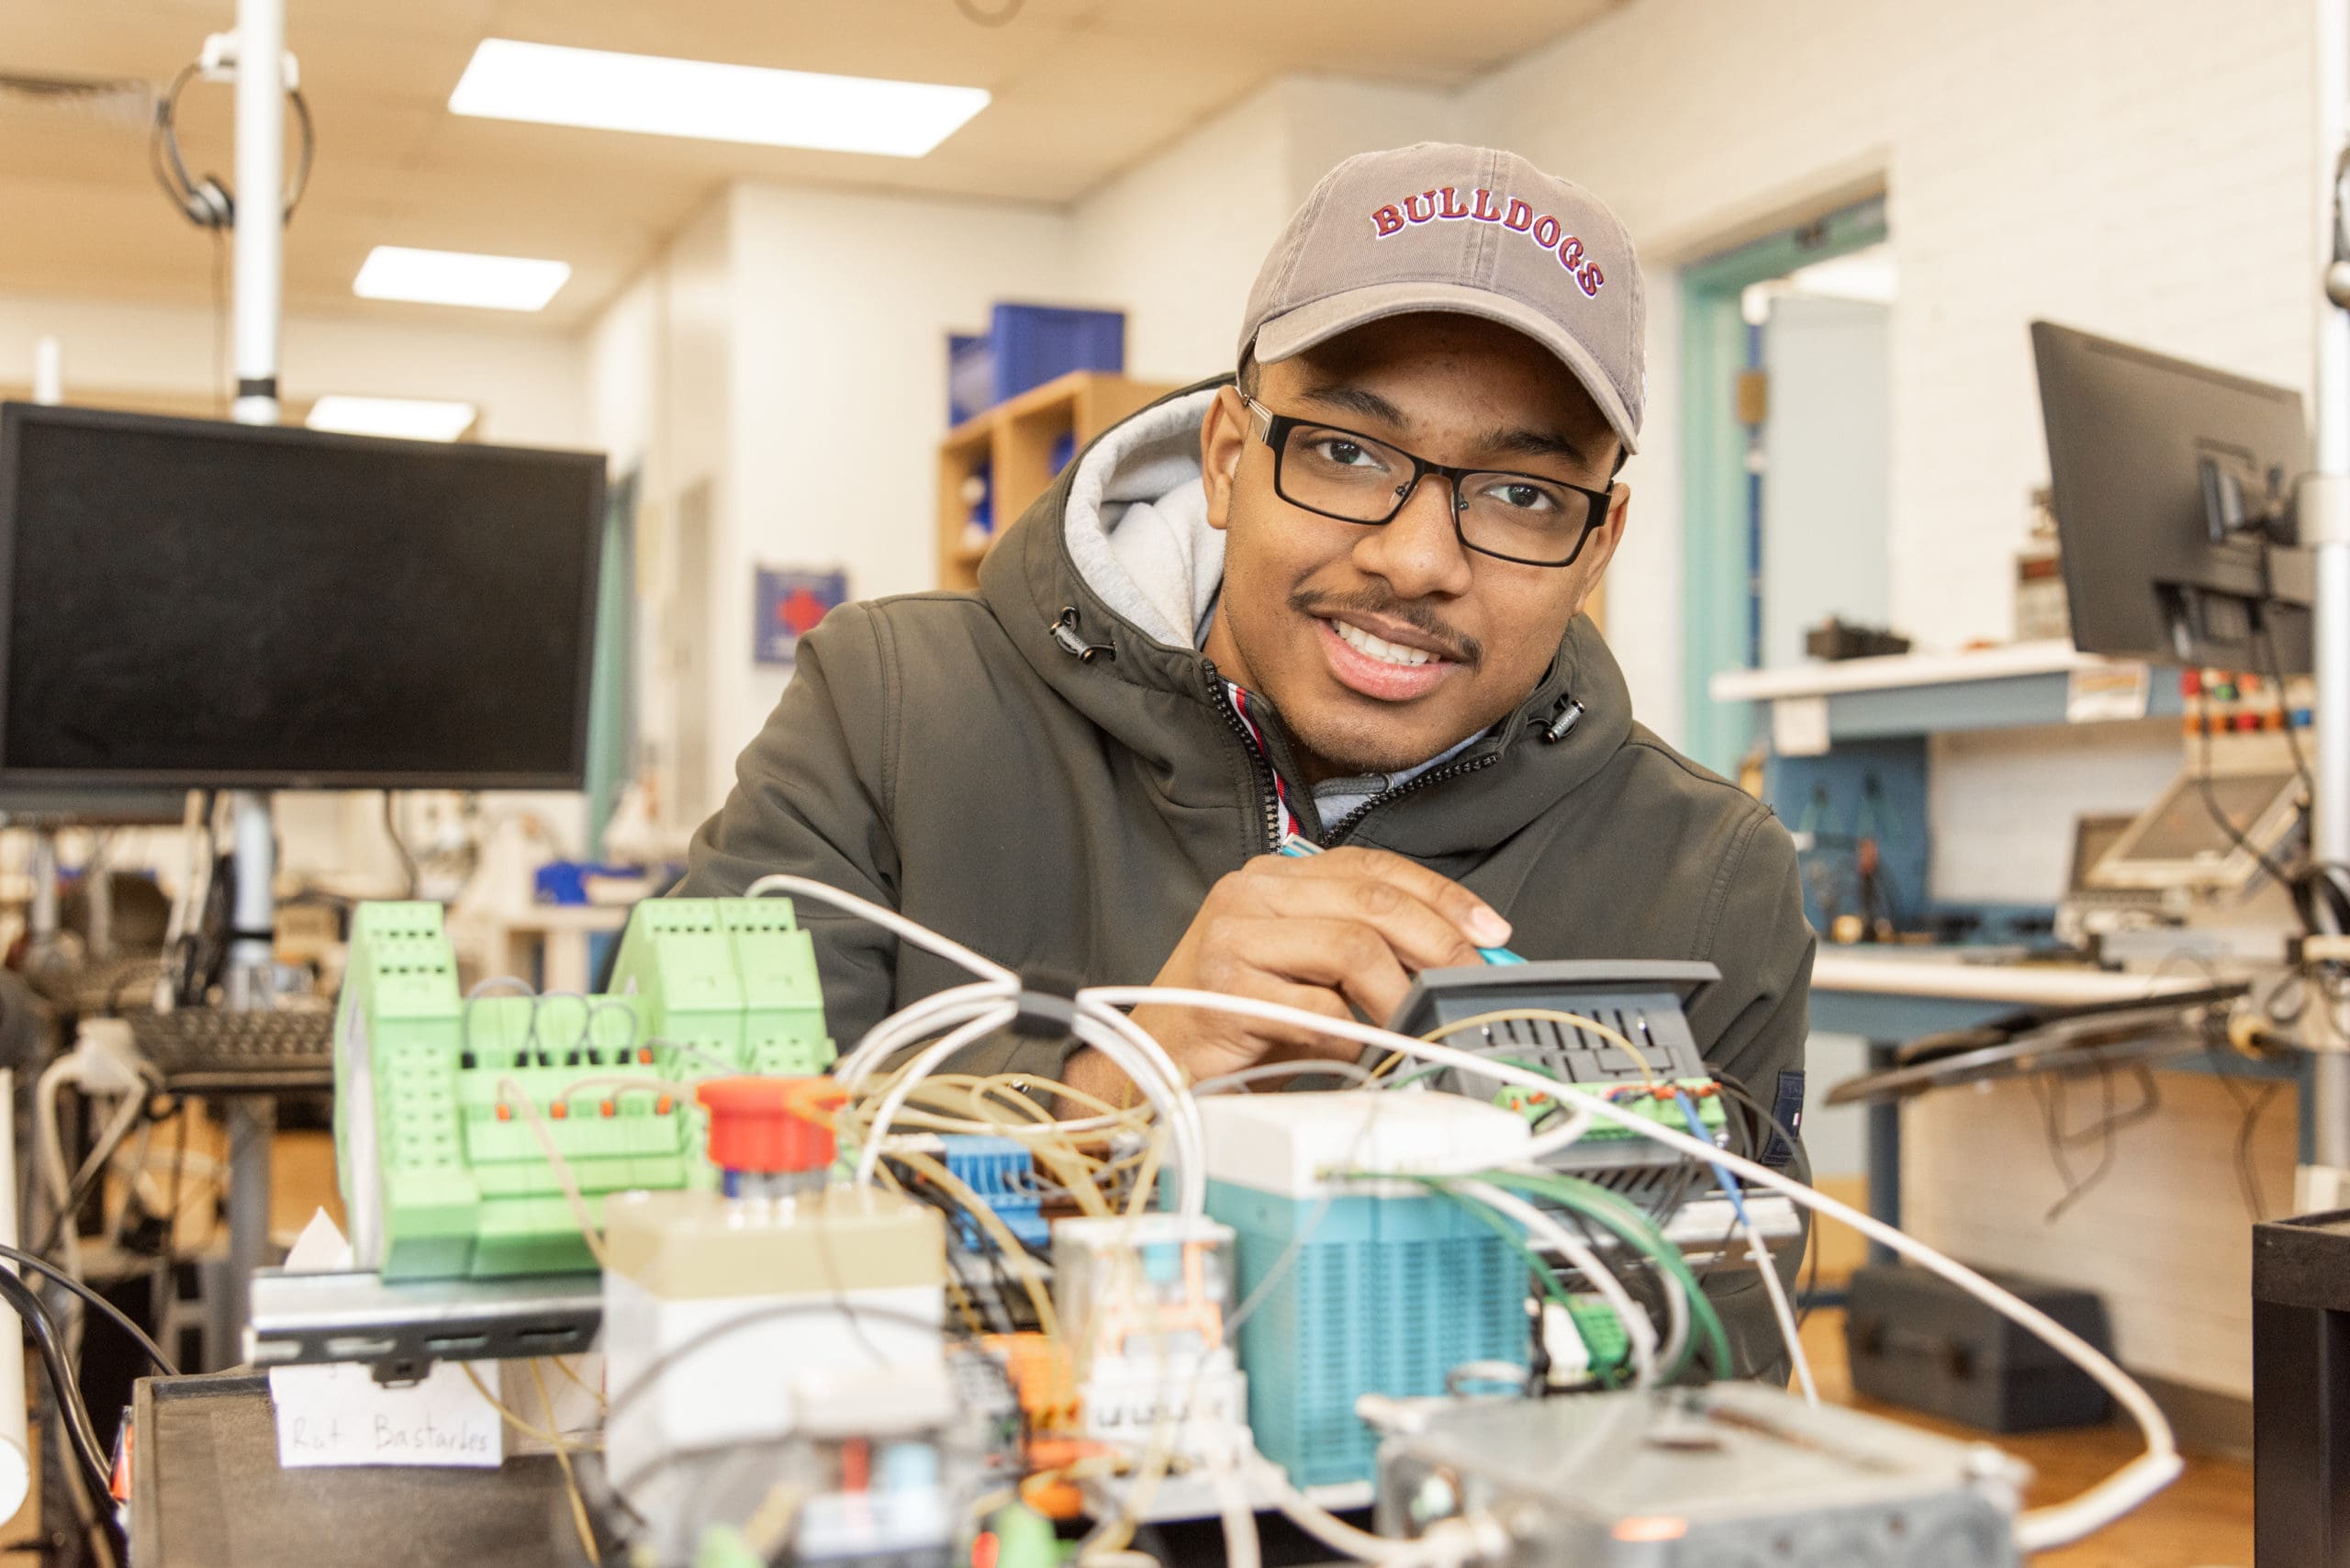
point(789, 603)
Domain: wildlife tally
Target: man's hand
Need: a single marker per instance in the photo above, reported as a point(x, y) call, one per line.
point(1336, 933)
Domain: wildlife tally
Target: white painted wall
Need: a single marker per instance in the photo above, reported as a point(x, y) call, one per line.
point(787, 358)
point(526, 383)
point(842, 304)
point(2002, 803)
point(660, 397)
point(1176, 241)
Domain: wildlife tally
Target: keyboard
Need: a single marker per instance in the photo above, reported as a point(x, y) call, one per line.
point(200, 1048)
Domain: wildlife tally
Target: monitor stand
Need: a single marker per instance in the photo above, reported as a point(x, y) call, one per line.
point(250, 984)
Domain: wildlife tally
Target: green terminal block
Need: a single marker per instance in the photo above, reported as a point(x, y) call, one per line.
point(1603, 1335)
point(1655, 1104)
point(444, 1170)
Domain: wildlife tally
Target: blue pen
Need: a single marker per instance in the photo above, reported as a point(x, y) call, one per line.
point(1296, 848)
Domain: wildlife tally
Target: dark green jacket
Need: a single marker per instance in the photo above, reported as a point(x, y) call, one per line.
point(944, 755)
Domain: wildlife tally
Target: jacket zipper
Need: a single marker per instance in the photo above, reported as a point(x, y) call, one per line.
point(1336, 834)
point(1259, 767)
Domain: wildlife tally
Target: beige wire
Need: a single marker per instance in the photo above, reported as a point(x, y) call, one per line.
point(581, 1215)
point(563, 1366)
point(507, 1413)
point(1070, 1165)
point(563, 1457)
point(1147, 1177)
point(1530, 1016)
point(962, 1102)
point(954, 1291)
point(1016, 1256)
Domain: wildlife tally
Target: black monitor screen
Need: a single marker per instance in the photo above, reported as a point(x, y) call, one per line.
point(2133, 439)
point(199, 603)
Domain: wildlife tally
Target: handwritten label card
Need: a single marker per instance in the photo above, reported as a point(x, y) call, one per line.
point(341, 1416)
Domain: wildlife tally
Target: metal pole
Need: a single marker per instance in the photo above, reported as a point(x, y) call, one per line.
point(261, 178)
point(252, 918)
point(253, 1125)
point(2324, 1179)
point(258, 296)
point(260, 279)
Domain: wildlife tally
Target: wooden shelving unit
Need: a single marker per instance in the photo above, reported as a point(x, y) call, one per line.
point(1014, 441)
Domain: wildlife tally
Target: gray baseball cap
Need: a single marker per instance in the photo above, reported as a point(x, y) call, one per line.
point(1441, 227)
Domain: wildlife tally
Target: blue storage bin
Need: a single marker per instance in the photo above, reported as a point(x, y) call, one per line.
point(1027, 345)
point(970, 376)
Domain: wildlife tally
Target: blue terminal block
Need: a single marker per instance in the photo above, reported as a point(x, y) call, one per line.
point(1002, 1173)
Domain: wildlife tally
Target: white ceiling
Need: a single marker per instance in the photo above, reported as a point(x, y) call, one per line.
point(1082, 89)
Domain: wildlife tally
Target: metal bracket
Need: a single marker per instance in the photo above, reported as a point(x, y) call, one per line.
point(217, 62)
point(400, 1328)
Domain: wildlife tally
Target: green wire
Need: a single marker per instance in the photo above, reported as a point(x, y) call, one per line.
point(1520, 1244)
point(1596, 1204)
point(1503, 1228)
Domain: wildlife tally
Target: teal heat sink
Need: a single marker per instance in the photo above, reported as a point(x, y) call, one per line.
point(1387, 1295)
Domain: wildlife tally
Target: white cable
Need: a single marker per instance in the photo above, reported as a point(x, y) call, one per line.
point(889, 920)
point(48, 1156)
point(1449, 1543)
point(914, 1021)
point(1135, 1052)
point(1542, 1227)
point(1145, 1061)
point(2039, 1530)
point(1788, 1329)
point(1676, 1319)
point(868, 1158)
point(1240, 1543)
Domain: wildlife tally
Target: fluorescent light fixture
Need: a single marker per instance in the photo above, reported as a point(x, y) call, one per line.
point(547, 85)
point(459, 277)
point(410, 419)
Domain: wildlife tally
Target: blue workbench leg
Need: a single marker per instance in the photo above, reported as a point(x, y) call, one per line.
point(1885, 1153)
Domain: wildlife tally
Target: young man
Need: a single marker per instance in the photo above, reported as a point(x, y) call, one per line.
point(1338, 599)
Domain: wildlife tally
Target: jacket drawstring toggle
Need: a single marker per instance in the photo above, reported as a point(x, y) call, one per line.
point(1064, 631)
point(1564, 717)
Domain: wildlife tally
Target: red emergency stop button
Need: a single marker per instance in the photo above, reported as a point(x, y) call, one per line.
point(771, 1125)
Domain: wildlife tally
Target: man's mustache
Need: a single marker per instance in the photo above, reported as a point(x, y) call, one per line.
point(1458, 647)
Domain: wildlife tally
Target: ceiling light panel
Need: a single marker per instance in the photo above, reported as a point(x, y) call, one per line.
point(548, 84)
point(411, 419)
point(459, 277)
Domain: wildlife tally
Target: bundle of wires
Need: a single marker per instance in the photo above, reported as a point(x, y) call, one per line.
point(1104, 1159)
point(2040, 1528)
point(57, 1359)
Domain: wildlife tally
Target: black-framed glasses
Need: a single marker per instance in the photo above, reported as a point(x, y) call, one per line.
point(1526, 517)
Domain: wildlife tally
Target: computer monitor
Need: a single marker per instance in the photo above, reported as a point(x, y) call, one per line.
point(2181, 842)
point(2173, 487)
point(191, 603)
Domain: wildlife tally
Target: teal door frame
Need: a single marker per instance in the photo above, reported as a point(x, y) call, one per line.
point(1718, 581)
point(611, 727)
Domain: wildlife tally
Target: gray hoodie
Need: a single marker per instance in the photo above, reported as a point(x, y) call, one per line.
point(1049, 770)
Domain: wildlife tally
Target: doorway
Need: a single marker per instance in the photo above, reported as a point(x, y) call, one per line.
point(1785, 380)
